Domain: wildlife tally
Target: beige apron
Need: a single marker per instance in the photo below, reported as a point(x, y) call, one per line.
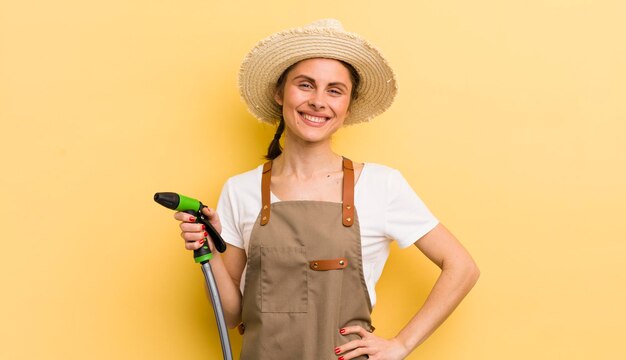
point(304, 278)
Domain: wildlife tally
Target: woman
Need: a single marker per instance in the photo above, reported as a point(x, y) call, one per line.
point(308, 233)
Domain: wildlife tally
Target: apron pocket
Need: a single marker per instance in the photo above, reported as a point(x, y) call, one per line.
point(284, 286)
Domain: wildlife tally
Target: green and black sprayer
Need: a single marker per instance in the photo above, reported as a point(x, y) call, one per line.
point(202, 256)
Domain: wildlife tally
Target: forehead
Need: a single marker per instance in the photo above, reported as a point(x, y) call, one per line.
point(321, 69)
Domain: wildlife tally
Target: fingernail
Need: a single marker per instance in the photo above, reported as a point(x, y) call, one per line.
point(203, 227)
point(340, 358)
point(342, 331)
point(206, 233)
point(192, 219)
point(337, 350)
point(201, 241)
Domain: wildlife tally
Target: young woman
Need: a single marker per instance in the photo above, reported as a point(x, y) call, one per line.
point(308, 232)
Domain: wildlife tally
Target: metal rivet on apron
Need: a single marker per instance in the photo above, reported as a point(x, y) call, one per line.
point(264, 207)
point(264, 218)
point(348, 207)
point(341, 262)
point(348, 219)
point(315, 265)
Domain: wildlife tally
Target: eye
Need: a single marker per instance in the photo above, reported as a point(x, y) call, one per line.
point(305, 85)
point(335, 91)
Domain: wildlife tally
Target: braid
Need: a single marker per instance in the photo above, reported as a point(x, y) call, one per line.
point(275, 149)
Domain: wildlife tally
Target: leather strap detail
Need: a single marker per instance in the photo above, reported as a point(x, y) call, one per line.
point(347, 211)
point(266, 179)
point(330, 264)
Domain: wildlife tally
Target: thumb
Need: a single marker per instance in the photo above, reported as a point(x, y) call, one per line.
point(209, 213)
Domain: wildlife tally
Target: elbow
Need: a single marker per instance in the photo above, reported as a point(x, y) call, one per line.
point(232, 321)
point(465, 271)
point(472, 273)
point(232, 318)
point(232, 324)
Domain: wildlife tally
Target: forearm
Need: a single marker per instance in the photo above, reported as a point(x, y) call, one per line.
point(230, 295)
point(454, 282)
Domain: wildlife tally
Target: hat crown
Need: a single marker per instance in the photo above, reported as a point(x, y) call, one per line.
point(325, 24)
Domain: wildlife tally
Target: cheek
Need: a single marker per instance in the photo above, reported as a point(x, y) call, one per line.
point(341, 105)
point(293, 97)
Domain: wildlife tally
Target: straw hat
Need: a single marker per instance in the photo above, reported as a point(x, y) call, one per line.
point(326, 38)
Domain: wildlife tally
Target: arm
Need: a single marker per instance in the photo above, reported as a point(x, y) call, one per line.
point(227, 267)
point(458, 275)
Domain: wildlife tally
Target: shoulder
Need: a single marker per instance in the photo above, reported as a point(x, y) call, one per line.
point(241, 195)
point(243, 188)
point(387, 182)
point(379, 174)
point(376, 183)
point(379, 169)
point(250, 178)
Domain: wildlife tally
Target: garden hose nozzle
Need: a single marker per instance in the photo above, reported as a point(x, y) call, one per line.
point(193, 207)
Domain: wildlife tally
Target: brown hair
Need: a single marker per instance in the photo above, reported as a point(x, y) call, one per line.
point(275, 149)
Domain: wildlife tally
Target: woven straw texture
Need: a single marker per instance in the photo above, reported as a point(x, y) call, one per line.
point(326, 38)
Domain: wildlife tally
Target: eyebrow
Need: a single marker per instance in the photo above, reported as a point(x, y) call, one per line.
point(308, 78)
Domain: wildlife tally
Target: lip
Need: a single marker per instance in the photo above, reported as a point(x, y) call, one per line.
point(311, 122)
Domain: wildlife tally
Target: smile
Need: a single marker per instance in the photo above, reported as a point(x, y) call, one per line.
point(314, 119)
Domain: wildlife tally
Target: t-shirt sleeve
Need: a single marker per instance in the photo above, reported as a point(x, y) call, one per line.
point(407, 218)
point(227, 209)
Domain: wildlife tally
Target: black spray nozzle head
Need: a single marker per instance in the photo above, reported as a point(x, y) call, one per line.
point(168, 199)
point(177, 202)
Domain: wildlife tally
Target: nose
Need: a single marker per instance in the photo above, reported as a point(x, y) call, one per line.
point(316, 100)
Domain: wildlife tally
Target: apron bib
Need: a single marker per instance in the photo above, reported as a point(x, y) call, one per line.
point(304, 277)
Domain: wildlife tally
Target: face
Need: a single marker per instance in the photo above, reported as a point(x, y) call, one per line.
point(315, 99)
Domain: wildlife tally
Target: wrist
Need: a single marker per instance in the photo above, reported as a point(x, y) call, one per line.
point(403, 350)
point(216, 257)
point(407, 342)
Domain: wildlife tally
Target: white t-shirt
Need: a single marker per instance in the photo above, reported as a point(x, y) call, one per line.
point(387, 207)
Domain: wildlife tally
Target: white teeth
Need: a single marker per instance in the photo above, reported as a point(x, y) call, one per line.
point(314, 118)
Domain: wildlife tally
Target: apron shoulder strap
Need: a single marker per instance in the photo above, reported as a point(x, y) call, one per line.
point(347, 212)
point(266, 178)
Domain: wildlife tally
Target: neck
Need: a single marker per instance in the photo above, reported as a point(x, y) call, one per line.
point(306, 159)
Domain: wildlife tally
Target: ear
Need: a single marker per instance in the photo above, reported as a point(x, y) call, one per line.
point(278, 97)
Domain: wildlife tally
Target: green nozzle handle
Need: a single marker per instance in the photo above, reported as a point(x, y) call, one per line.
point(177, 202)
point(194, 207)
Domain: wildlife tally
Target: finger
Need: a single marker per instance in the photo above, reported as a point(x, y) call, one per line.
point(351, 345)
point(353, 354)
point(181, 216)
point(354, 330)
point(192, 227)
point(211, 214)
point(208, 212)
point(193, 236)
point(194, 245)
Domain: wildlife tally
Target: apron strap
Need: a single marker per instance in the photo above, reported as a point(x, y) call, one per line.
point(266, 178)
point(347, 211)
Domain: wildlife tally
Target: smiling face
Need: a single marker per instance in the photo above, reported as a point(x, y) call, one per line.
point(315, 98)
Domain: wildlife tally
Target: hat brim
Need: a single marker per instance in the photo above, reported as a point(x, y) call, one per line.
point(265, 63)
